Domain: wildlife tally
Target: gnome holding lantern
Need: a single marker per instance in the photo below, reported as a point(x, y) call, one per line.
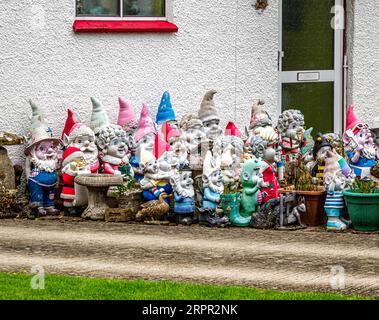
point(166, 112)
point(337, 177)
point(155, 181)
point(184, 196)
point(41, 165)
point(359, 145)
point(111, 141)
point(208, 115)
point(213, 188)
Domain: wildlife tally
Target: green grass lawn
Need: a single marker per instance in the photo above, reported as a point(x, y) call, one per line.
point(17, 286)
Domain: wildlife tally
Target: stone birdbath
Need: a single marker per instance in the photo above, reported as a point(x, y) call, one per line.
point(97, 186)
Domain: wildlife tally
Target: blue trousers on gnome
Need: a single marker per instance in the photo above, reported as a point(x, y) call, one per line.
point(42, 188)
point(149, 195)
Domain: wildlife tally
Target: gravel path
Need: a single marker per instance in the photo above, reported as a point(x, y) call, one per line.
point(286, 260)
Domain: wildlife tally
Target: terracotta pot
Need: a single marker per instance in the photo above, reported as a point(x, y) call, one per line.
point(314, 201)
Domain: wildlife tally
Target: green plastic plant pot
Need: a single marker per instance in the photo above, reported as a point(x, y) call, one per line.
point(230, 203)
point(363, 209)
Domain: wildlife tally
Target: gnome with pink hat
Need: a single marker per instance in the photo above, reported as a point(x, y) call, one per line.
point(359, 145)
point(110, 140)
point(41, 164)
point(144, 138)
point(128, 121)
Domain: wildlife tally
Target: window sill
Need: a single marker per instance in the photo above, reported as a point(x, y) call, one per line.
point(123, 26)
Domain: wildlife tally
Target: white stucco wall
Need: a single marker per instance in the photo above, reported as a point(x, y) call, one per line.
point(225, 45)
point(363, 59)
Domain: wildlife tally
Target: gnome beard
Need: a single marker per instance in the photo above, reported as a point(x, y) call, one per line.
point(215, 182)
point(44, 157)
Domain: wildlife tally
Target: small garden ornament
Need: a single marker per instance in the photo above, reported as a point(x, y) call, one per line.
point(179, 149)
point(184, 196)
point(269, 171)
point(213, 187)
point(166, 113)
point(337, 177)
point(360, 148)
point(41, 164)
point(111, 141)
point(128, 121)
point(209, 116)
point(320, 149)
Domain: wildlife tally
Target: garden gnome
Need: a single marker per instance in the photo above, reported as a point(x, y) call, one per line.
point(41, 164)
point(111, 141)
point(235, 138)
point(74, 164)
point(252, 181)
point(128, 121)
point(78, 135)
point(359, 145)
point(193, 134)
point(208, 115)
point(321, 146)
point(259, 117)
point(166, 112)
point(179, 150)
point(144, 138)
point(230, 170)
point(337, 177)
point(213, 189)
point(184, 196)
point(269, 171)
point(154, 181)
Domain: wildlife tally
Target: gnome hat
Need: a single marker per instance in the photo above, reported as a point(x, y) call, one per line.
point(145, 124)
point(259, 117)
point(160, 146)
point(99, 116)
point(351, 120)
point(165, 111)
point(71, 154)
point(321, 141)
point(126, 116)
point(169, 132)
point(146, 157)
point(39, 131)
point(190, 120)
point(70, 122)
point(208, 110)
point(232, 130)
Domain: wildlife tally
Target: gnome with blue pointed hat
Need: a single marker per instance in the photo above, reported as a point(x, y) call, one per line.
point(166, 112)
point(41, 164)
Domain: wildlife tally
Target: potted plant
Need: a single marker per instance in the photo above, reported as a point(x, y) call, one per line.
point(230, 200)
point(363, 205)
point(313, 194)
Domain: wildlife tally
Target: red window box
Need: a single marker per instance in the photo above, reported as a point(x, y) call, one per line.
point(123, 26)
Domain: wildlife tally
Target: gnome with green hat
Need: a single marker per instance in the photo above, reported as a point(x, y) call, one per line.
point(41, 164)
point(111, 140)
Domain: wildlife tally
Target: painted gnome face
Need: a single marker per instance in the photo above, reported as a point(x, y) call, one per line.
point(151, 168)
point(183, 184)
point(291, 125)
point(257, 146)
point(45, 155)
point(251, 174)
point(365, 140)
point(212, 129)
point(86, 143)
point(111, 141)
point(208, 115)
point(146, 142)
point(194, 135)
point(212, 174)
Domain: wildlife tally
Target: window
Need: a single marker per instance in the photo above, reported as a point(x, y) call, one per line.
point(124, 16)
point(122, 9)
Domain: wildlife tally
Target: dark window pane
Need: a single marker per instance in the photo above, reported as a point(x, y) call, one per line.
point(308, 38)
point(144, 8)
point(98, 8)
point(315, 100)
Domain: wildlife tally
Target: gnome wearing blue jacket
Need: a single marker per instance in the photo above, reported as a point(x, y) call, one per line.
point(166, 113)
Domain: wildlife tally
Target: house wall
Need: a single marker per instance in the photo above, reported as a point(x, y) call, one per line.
point(363, 58)
point(225, 45)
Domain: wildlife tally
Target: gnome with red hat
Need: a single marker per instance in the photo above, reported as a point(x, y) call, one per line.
point(178, 154)
point(359, 145)
point(41, 164)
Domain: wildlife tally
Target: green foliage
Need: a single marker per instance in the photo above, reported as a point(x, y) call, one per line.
point(364, 186)
point(303, 179)
point(17, 287)
point(129, 183)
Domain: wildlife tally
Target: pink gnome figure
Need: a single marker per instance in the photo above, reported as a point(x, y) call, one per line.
point(128, 121)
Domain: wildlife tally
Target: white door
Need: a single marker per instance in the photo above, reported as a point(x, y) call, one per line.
point(310, 62)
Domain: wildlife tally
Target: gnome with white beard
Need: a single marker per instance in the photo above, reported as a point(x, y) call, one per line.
point(41, 164)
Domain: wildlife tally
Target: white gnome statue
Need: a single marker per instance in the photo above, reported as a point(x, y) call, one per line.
point(209, 116)
point(41, 164)
point(111, 141)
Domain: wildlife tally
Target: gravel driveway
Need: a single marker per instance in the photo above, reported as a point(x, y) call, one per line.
point(288, 260)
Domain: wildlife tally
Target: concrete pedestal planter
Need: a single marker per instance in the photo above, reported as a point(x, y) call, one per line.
point(314, 202)
point(363, 209)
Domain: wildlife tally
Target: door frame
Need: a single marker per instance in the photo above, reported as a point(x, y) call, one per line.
point(335, 75)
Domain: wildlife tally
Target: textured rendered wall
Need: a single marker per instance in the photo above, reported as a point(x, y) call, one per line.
point(363, 54)
point(220, 45)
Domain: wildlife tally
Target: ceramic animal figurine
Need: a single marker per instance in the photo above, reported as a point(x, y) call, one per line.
point(154, 210)
point(184, 196)
point(41, 164)
point(213, 187)
point(209, 116)
point(360, 148)
point(111, 140)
